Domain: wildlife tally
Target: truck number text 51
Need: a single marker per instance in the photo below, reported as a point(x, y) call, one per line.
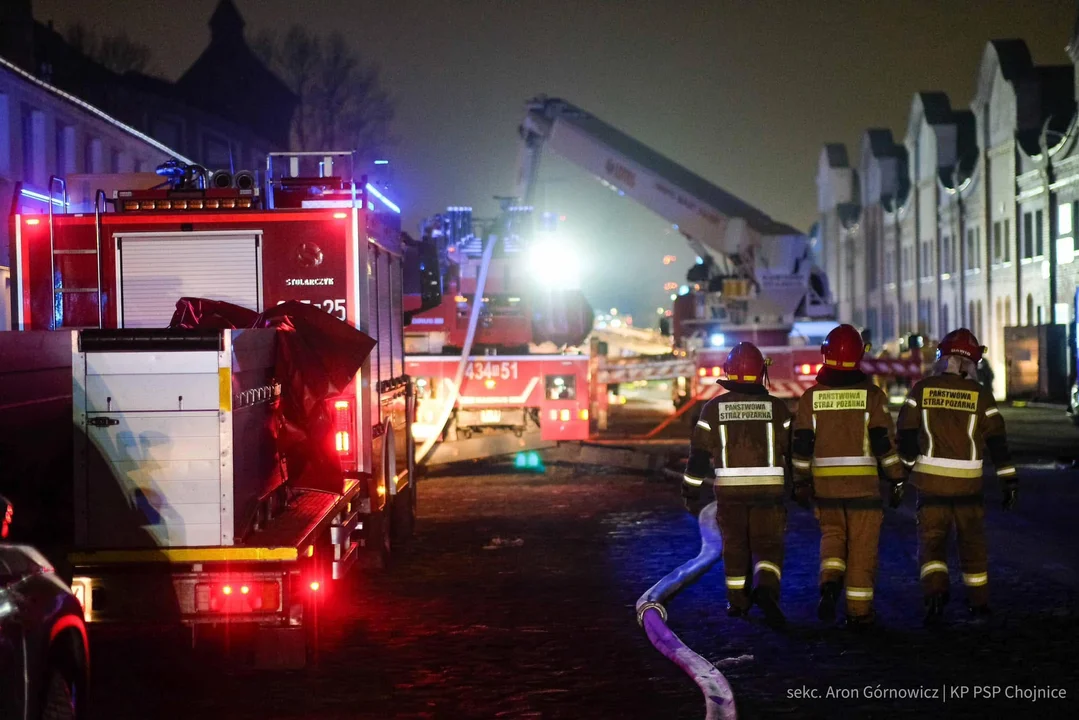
point(334, 307)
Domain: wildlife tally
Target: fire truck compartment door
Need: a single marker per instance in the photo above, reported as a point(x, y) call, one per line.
point(157, 269)
point(154, 480)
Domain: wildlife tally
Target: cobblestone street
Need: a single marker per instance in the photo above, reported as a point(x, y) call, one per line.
point(516, 601)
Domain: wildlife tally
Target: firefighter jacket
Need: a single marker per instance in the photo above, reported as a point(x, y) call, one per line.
point(742, 437)
point(945, 425)
point(841, 430)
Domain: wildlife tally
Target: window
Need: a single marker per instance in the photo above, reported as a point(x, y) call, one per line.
point(1039, 235)
point(1065, 231)
point(1007, 311)
point(1040, 319)
point(1028, 236)
point(970, 249)
point(561, 387)
point(1007, 241)
point(872, 324)
point(94, 159)
point(871, 266)
point(970, 313)
point(945, 321)
point(5, 134)
point(996, 242)
point(945, 254)
point(977, 248)
point(1030, 309)
point(34, 144)
point(978, 324)
point(927, 264)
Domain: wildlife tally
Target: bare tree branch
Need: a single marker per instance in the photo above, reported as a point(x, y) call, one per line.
point(117, 52)
point(342, 104)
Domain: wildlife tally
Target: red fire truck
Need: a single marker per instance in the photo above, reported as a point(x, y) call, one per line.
point(258, 548)
point(522, 385)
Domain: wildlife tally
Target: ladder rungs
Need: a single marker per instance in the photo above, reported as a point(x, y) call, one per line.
point(74, 252)
point(58, 291)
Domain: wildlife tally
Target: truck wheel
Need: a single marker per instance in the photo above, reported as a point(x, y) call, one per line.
point(59, 698)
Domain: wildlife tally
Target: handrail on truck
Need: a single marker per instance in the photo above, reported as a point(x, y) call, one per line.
point(99, 203)
point(54, 180)
point(325, 170)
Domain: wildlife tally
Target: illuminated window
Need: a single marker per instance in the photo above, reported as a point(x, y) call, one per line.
point(561, 387)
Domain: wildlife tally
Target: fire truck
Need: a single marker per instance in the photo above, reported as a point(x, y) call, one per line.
point(755, 279)
point(496, 365)
point(183, 508)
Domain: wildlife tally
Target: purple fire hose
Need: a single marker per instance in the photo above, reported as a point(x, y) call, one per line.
point(652, 616)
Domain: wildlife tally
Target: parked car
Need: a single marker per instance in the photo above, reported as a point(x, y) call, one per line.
point(44, 655)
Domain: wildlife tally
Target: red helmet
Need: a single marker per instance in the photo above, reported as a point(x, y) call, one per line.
point(844, 347)
point(961, 342)
point(745, 364)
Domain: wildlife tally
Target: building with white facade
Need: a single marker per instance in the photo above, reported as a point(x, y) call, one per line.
point(969, 221)
point(44, 132)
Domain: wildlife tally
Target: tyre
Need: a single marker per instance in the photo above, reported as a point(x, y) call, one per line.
point(59, 698)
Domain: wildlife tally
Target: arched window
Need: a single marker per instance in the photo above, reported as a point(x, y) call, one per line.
point(1007, 310)
point(970, 312)
point(978, 325)
point(1030, 309)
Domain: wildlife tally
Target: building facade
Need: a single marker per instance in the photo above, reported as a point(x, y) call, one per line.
point(44, 132)
point(969, 221)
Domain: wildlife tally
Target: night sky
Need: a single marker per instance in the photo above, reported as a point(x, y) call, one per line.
point(743, 93)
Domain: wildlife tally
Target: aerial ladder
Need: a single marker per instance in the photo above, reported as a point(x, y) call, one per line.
point(755, 276)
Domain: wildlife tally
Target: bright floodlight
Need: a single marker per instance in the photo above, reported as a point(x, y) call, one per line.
point(717, 339)
point(554, 265)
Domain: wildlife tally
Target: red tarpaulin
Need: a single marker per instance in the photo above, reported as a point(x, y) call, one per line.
point(317, 357)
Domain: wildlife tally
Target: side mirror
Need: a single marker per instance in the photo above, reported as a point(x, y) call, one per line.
point(7, 510)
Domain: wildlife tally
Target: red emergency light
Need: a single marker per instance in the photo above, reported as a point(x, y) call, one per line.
point(238, 597)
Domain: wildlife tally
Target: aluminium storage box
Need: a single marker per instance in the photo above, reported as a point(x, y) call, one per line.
point(174, 435)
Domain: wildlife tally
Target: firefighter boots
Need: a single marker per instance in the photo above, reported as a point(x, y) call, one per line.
point(934, 608)
point(736, 611)
point(766, 600)
point(861, 623)
point(829, 597)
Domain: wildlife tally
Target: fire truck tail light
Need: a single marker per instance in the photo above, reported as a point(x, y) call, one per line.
point(33, 221)
point(315, 586)
point(702, 372)
point(253, 596)
point(342, 441)
point(337, 216)
point(554, 415)
point(582, 414)
point(564, 415)
point(715, 371)
point(343, 423)
point(805, 368)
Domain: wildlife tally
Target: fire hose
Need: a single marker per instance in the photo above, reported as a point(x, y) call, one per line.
point(652, 616)
point(473, 322)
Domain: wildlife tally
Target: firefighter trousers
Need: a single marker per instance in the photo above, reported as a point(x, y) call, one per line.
point(936, 516)
point(751, 531)
point(850, 534)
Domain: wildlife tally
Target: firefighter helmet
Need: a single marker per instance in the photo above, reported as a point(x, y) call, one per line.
point(745, 363)
point(844, 347)
point(961, 342)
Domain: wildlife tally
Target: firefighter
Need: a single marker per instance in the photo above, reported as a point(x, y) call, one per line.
point(946, 423)
point(842, 430)
point(741, 439)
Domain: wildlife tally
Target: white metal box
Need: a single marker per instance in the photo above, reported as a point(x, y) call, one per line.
point(174, 435)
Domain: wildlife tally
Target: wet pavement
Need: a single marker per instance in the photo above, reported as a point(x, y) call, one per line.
point(515, 600)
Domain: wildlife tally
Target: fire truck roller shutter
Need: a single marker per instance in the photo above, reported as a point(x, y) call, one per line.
point(156, 270)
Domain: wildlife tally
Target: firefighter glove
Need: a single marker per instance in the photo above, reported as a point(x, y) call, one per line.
point(1011, 495)
point(802, 493)
point(691, 497)
point(896, 496)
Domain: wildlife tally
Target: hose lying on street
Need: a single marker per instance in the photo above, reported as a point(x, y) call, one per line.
point(652, 616)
